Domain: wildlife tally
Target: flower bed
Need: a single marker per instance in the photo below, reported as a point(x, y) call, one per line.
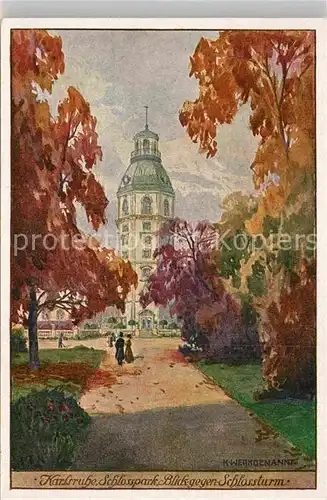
point(46, 428)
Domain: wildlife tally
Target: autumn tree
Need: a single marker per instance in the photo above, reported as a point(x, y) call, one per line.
point(273, 73)
point(52, 163)
point(186, 280)
point(234, 242)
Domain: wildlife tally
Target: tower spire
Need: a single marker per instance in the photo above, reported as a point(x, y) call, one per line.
point(146, 117)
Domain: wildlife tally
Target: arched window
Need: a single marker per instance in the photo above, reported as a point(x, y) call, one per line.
point(146, 145)
point(166, 208)
point(148, 241)
point(125, 206)
point(60, 314)
point(146, 205)
point(45, 315)
point(146, 271)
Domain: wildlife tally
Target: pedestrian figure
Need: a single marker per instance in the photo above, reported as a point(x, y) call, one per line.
point(129, 357)
point(120, 349)
point(61, 340)
point(112, 339)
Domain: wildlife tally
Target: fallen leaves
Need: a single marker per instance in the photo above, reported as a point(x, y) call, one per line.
point(100, 378)
point(81, 374)
point(120, 409)
point(77, 373)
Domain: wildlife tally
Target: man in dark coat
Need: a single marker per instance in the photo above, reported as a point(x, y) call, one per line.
point(120, 343)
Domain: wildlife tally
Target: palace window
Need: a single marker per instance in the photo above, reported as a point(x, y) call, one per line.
point(125, 207)
point(60, 314)
point(146, 226)
point(146, 205)
point(166, 208)
point(148, 241)
point(124, 239)
point(124, 255)
point(146, 271)
point(45, 316)
point(125, 228)
point(146, 254)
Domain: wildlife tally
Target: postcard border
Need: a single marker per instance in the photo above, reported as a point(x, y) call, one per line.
point(164, 24)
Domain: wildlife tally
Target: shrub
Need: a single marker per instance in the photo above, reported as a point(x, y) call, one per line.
point(88, 334)
point(112, 320)
point(46, 427)
point(90, 326)
point(18, 340)
point(132, 322)
point(121, 326)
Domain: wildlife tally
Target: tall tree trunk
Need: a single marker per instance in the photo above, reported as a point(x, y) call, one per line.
point(34, 361)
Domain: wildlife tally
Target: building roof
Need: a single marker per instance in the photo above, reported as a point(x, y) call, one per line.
point(146, 133)
point(146, 174)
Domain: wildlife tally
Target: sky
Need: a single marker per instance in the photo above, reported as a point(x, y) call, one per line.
point(119, 72)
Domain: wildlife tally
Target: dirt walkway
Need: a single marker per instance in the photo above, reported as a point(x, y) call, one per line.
point(163, 414)
point(158, 378)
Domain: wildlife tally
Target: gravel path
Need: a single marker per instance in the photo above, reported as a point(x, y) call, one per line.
point(164, 414)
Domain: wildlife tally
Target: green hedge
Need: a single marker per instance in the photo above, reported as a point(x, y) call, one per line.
point(18, 340)
point(46, 428)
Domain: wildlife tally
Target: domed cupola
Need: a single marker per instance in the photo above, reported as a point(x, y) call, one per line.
point(145, 170)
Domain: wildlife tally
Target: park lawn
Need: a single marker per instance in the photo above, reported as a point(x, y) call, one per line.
point(66, 370)
point(294, 419)
point(80, 354)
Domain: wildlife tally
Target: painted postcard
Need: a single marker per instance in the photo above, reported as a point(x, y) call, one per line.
point(162, 257)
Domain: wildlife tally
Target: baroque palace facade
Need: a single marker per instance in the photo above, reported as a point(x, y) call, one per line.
point(145, 200)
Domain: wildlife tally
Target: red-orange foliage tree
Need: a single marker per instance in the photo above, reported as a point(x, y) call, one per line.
point(273, 72)
point(291, 343)
point(52, 166)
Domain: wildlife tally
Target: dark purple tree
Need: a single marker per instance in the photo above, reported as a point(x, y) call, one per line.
point(187, 281)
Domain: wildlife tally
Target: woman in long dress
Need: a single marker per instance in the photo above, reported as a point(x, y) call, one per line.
point(129, 357)
point(120, 349)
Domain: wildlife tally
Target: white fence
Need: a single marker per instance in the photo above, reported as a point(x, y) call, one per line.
point(68, 334)
point(79, 334)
